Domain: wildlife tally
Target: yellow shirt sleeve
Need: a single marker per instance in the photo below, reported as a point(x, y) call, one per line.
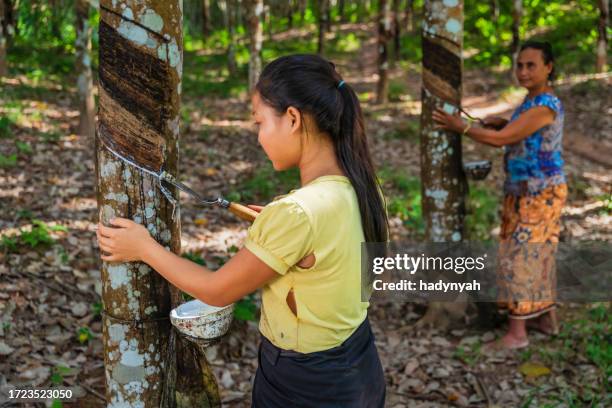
point(281, 235)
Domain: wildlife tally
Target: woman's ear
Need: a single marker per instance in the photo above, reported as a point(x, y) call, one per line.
point(296, 118)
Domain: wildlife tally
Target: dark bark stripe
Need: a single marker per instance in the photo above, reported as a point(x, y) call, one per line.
point(138, 81)
point(441, 62)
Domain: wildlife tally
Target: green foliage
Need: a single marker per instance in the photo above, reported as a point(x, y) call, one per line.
point(482, 214)
point(38, 235)
point(23, 147)
point(569, 26)
point(246, 308)
point(5, 127)
point(403, 198)
point(96, 308)
point(84, 335)
point(8, 160)
point(266, 183)
point(58, 373)
point(469, 354)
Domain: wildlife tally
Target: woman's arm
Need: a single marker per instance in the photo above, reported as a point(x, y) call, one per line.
point(526, 124)
point(241, 275)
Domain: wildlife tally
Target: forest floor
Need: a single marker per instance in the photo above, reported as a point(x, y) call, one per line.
point(50, 324)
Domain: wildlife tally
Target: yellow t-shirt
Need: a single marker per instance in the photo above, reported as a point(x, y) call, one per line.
point(323, 218)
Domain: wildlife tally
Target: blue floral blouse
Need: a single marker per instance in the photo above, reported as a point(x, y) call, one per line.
point(535, 162)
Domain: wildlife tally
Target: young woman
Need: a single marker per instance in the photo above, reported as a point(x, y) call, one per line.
point(303, 249)
point(535, 192)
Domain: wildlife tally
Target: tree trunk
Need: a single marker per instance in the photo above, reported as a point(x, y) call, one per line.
point(290, 10)
point(303, 5)
point(443, 180)
point(8, 20)
point(3, 62)
point(328, 19)
point(83, 70)
point(494, 10)
point(140, 70)
point(206, 28)
point(384, 34)
point(517, 14)
point(396, 33)
point(322, 14)
point(341, 6)
point(255, 40)
point(409, 15)
point(228, 16)
point(602, 37)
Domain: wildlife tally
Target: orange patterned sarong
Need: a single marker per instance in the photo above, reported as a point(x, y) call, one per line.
point(526, 274)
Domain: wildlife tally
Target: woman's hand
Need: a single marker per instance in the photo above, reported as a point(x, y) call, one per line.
point(257, 208)
point(494, 122)
point(126, 243)
point(445, 121)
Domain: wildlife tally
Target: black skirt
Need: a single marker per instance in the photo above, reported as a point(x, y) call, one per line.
point(347, 376)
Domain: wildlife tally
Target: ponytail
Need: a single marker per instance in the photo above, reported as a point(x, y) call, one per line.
point(354, 157)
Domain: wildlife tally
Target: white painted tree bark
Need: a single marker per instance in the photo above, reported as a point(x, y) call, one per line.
point(443, 180)
point(141, 60)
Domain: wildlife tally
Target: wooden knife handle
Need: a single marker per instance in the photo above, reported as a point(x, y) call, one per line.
point(243, 212)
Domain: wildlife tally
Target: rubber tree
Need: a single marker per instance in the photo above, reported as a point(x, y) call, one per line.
point(517, 15)
point(3, 62)
point(206, 27)
point(228, 9)
point(83, 69)
point(322, 16)
point(385, 25)
point(443, 180)
point(141, 55)
point(409, 15)
point(602, 35)
point(255, 27)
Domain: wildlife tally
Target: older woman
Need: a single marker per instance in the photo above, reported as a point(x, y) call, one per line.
point(535, 191)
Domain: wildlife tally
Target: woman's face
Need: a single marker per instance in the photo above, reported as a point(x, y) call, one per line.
point(276, 134)
point(531, 71)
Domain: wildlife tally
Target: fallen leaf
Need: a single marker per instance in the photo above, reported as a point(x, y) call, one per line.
point(533, 370)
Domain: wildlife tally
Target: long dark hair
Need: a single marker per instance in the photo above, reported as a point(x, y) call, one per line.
point(310, 84)
point(547, 53)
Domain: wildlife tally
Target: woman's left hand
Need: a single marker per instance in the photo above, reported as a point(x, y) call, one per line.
point(125, 243)
point(445, 121)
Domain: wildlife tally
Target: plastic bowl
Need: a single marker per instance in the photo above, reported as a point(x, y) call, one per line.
point(477, 170)
point(197, 319)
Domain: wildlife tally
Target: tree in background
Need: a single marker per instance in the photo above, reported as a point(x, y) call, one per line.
point(3, 62)
point(397, 33)
point(322, 16)
point(206, 27)
point(517, 14)
point(442, 177)
point(83, 69)
point(602, 35)
point(229, 8)
point(141, 57)
point(385, 25)
point(409, 15)
point(255, 11)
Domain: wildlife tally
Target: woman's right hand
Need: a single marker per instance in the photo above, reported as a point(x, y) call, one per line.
point(494, 122)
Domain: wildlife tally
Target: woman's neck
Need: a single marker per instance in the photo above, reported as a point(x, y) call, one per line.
point(535, 91)
point(319, 159)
